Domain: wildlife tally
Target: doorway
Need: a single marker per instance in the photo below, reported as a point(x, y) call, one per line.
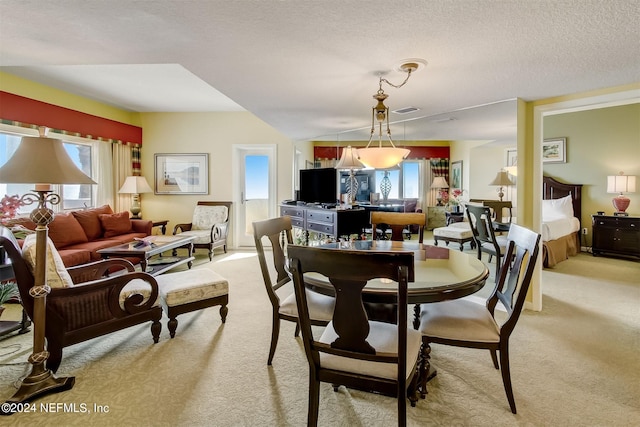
point(254, 189)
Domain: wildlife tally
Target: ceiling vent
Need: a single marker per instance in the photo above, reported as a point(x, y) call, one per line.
point(406, 110)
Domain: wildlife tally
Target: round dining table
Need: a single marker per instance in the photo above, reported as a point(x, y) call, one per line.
point(439, 273)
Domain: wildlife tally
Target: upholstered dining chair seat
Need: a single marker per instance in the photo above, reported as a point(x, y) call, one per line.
point(459, 320)
point(384, 338)
point(320, 306)
point(500, 240)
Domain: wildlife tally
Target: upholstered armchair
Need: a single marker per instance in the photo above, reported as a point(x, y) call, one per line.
point(209, 226)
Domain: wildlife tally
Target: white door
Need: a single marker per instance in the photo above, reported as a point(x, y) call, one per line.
point(254, 189)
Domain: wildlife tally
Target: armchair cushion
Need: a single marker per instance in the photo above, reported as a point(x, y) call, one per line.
point(205, 217)
point(115, 224)
point(65, 230)
point(201, 236)
point(56, 273)
point(90, 222)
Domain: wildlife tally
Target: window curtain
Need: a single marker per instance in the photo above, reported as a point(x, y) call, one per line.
point(122, 168)
point(439, 167)
point(103, 167)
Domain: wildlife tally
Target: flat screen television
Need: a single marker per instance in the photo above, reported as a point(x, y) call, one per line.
point(319, 185)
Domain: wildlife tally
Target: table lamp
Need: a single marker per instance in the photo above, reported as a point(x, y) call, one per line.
point(501, 180)
point(135, 185)
point(621, 184)
point(42, 161)
point(349, 161)
point(439, 183)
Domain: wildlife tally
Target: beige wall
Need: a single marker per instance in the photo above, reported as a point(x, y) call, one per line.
point(215, 134)
point(600, 142)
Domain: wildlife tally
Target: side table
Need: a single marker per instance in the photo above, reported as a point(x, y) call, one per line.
point(454, 217)
point(162, 223)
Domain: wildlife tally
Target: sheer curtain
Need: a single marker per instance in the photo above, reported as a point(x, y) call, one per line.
point(103, 166)
point(122, 168)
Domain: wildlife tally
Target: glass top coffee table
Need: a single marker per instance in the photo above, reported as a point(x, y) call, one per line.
point(150, 252)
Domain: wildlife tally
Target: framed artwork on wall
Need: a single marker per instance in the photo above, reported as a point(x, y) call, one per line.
point(456, 175)
point(181, 173)
point(554, 150)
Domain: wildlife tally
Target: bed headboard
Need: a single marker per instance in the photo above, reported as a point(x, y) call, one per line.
point(552, 189)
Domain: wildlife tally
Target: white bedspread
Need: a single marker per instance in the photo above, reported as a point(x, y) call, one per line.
point(556, 228)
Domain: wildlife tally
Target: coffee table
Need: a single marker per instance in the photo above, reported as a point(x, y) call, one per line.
point(149, 251)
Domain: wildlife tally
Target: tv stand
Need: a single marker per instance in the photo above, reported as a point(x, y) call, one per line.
point(333, 222)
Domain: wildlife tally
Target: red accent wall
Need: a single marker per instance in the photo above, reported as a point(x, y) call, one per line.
point(26, 110)
point(417, 152)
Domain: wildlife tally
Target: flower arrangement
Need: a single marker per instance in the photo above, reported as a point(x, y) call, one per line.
point(9, 206)
point(455, 198)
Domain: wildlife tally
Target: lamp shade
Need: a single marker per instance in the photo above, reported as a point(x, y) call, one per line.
point(502, 178)
point(349, 159)
point(42, 160)
point(382, 157)
point(135, 185)
point(439, 182)
point(621, 184)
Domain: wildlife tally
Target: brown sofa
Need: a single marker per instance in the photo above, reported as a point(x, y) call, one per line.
point(78, 235)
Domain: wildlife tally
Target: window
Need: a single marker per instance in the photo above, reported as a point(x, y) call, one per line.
point(408, 175)
point(72, 196)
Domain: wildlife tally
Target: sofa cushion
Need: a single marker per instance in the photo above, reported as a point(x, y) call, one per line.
point(75, 256)
point(115, 224)
point(56, 274)
point(65, 230)
point(90, 222)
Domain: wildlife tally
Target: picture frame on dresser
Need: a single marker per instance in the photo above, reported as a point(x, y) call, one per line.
point(181, 173)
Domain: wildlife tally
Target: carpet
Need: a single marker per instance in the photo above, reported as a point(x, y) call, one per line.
point(575, 363)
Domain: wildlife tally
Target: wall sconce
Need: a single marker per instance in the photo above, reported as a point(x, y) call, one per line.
point(621, 184)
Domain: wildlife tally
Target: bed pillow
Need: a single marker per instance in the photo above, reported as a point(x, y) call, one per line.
point(557, 208)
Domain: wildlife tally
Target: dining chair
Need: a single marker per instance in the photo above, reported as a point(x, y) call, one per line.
point(398, 222)
point(352, 350)
point(278, 232)
point(484, 234)
point(464, 323)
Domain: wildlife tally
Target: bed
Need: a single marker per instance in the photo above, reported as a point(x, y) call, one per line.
point(561, 215)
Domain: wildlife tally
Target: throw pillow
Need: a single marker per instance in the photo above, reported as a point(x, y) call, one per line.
point(115, 224)
point(88, 219)
point(56, 275)
point(65, 230)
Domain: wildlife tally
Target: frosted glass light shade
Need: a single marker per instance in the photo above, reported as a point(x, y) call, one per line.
point(382, 157)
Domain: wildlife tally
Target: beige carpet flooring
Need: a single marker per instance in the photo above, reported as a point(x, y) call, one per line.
point(573, 364)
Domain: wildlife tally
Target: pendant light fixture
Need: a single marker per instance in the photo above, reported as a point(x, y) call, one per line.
point(385, 157)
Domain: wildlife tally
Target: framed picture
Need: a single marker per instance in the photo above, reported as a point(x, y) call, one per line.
point(456, 175)
point(512, 158)
point(181, 173)
point(554, 150)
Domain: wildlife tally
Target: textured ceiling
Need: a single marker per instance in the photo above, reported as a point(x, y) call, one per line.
point(310, 68)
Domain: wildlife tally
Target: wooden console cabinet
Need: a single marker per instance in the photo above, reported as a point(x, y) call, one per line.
point(333, 222)
point(616, 235)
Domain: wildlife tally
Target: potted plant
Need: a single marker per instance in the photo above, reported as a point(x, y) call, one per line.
point(8, 291)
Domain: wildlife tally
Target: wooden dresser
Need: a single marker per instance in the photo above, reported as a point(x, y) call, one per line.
point(616, 235)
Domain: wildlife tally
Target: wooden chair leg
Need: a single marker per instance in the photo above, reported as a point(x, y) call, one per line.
point(297, 331)
point(275, 331)
point(314, 401)
point(494, 357)
point(506, 376)
point(223, 313)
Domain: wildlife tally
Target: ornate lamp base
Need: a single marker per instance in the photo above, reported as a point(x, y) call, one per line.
point(37, 385)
